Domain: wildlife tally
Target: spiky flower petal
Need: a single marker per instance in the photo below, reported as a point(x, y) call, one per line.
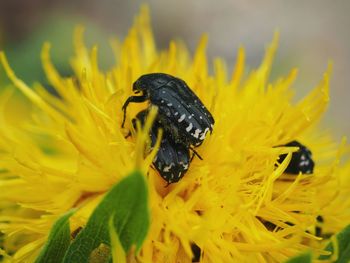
point(237, 204)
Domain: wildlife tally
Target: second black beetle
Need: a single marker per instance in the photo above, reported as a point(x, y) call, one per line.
point(301, 160)
point(173, 159)
point(181, 112)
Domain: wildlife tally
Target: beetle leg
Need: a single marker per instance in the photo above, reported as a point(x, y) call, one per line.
point(318, 229)
point(136, 99)
point(195, 153)
point(128, 135)
point(76, 232)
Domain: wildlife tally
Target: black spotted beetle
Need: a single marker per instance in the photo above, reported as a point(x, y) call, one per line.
point(173, 159)
point(180, 111)
point(301, 160)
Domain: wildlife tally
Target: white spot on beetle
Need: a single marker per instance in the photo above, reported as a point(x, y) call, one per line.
point(201, 117)
point(304, 163)
point(189, 127)
point(176, 113)
point(204, 134)
point(189, 117)
point(196, 133)
point(169, 104)
point(162, 101)
point(183, 116)
point(163, 91)
point(167, 168)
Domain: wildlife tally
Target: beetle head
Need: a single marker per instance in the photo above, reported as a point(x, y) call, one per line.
point(151, 81)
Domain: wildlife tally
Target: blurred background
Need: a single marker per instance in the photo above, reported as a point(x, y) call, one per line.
point(312, 33)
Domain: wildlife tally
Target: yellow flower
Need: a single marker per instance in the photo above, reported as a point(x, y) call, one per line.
point(236, 204)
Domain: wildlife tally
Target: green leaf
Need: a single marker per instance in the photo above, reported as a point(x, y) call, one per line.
point(57, 242)
point(343, 246)
point(302, 258)
point(127, 204)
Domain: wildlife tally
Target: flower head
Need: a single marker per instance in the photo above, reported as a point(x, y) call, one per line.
point(67, 150)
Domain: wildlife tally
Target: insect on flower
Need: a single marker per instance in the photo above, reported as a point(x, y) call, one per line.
point(173, 159)
point(181, 112)
point(62, 154)
point(301, 160)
